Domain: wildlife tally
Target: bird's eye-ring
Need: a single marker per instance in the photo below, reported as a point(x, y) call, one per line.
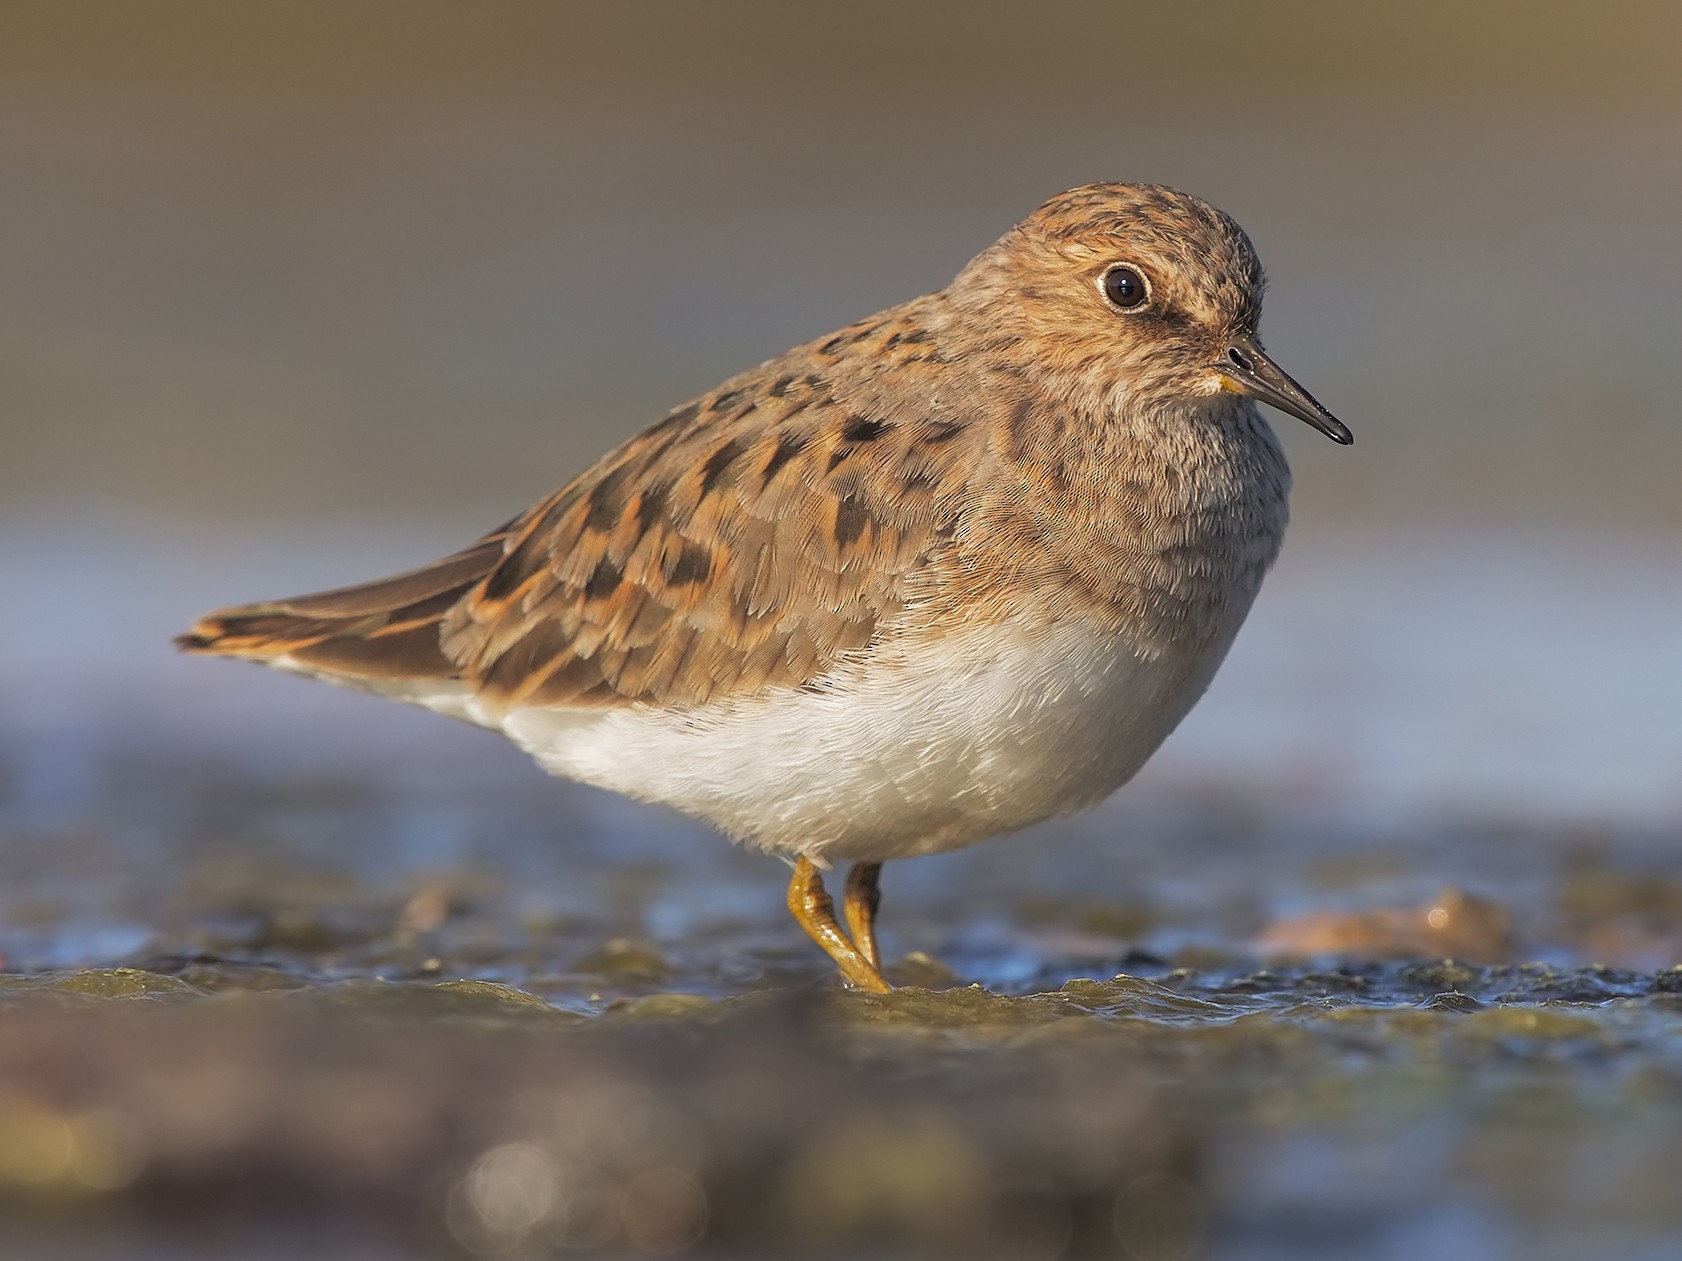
point(1125, 288)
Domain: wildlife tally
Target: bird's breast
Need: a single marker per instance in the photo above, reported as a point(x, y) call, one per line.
point(1159, 532)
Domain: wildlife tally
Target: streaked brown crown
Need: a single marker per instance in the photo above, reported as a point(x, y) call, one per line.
point(1039, 284)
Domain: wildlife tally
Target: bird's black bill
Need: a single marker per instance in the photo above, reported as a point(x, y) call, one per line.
point(1245, 369)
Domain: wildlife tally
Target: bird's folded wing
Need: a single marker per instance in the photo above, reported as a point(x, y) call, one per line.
point(747, 542)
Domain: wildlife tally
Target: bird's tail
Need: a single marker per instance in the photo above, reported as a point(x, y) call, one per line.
point(387, 630)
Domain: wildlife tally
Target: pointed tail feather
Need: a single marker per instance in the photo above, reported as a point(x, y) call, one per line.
point(383, 630)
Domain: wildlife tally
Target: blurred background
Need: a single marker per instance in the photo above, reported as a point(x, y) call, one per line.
point(292, 295)
point(297, 294)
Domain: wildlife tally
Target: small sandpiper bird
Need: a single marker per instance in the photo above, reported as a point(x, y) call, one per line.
point(954, 569)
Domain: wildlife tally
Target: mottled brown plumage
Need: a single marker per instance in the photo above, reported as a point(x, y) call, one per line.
point(744, 542)
point(1050, 452)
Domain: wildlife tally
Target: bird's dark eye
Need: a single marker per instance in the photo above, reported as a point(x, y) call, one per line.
point(1125, 288)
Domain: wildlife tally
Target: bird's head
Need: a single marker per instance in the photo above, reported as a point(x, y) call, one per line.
point(1134, 295)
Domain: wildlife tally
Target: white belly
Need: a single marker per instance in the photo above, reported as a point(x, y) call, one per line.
point(937, 745)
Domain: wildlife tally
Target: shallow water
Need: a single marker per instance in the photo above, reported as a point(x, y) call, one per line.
point(202, 1105)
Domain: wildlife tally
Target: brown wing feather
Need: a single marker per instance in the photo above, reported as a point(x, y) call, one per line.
point(386, 629)
point(746, 542)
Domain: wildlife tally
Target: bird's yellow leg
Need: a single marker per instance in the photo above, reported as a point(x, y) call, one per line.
point(862, 899)
point(808, 902)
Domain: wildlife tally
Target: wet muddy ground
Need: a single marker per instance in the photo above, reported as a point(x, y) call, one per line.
point(262, 1000)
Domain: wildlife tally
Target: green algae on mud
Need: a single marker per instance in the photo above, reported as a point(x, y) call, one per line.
point(1139, 1113)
